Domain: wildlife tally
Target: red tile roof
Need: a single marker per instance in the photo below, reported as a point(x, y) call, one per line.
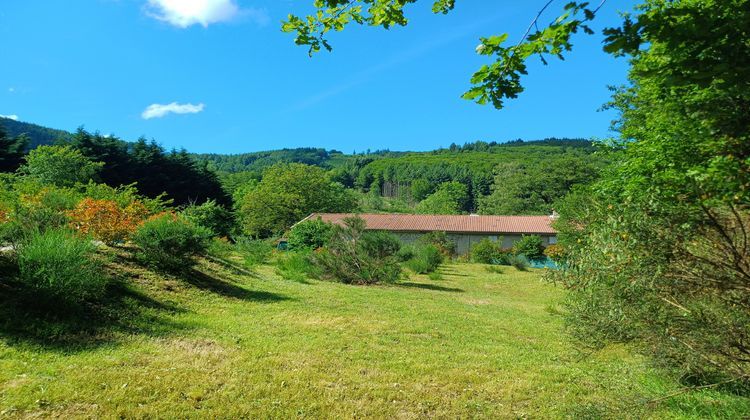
point(454, 224)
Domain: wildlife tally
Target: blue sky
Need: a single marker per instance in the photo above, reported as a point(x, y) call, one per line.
point(219, 76)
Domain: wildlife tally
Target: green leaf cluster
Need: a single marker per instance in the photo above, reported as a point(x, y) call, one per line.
point(287, 194)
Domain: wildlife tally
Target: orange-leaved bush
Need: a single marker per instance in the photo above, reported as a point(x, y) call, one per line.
point(555, 252)
point(106, 220)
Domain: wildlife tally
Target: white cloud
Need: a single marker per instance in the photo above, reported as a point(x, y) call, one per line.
point(10, 117)
point(159, 110)
point(184, 13)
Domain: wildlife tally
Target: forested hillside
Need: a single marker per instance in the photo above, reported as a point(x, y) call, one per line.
point(36, 134)
point(414, 176)
point(516, 177)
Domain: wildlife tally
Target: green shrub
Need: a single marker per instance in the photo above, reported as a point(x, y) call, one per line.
point(379, 244)
point(426, 259)
point(60, 267)
point(170, 242)
point(503, 257)
point(254, 251)
point(63, 166)
point(435, 276)
point(211, 216)
point(530, 246)
point(33, 207)
point(555, 252)
point(520, 262)
point(354, 256)
point(220, 248)
point(310, 234)
point(406, 252)
point(124, 196)
point(441, 241)
point(485, 251)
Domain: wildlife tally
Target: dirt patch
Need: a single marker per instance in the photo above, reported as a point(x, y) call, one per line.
point(328, 322)
point(478, 302)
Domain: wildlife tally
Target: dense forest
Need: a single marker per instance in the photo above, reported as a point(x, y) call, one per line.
point(516, 177)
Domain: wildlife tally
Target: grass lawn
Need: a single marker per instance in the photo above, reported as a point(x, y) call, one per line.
point(222, 343)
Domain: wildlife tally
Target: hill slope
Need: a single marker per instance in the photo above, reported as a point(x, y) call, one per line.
point(37, 134)
point(225, 343)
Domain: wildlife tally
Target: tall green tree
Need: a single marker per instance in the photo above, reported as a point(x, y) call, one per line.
point(658, 251)
point(533, 187)
point(63, 166)
point(155, 171)
point(288, 193)
point(12, 150)
point(449, 198)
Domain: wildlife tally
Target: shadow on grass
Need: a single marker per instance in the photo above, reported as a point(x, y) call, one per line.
point(24, 320)
point(452, 272)
point(428, 286)
point(232, 266)
point(224, 288)
point(213, 281)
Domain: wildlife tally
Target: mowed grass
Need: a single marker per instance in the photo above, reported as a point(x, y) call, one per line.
point(229, 343)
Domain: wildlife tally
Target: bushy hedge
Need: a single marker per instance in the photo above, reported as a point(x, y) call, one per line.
point(33, 208)
point(60, 267)
point(530, 246)
point(355, 256)
point(486, 252)
point(310, 234)
point(406, 252)
point(170, 242)
point(211, 216)
point(426, 259)
point(555, 252)
point(106, 220)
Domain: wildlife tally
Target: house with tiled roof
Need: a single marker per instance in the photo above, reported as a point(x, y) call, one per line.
point(464, 230)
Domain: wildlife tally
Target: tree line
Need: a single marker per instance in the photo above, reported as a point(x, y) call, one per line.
point(154, 171)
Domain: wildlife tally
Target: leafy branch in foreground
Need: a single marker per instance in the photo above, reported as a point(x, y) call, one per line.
point(491, 83)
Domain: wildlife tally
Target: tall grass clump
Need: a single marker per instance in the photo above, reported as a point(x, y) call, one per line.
point(58, 266)
point(296, 266)
point(254, 251)
point(220, 248)
point(170, 243)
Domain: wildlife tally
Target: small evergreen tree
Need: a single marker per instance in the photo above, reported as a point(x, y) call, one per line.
point(11, 151)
